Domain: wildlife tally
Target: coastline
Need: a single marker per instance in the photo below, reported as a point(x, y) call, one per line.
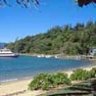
point(21, 85)
point(39, 55)
point(60, 56)
point(88, 68)
point(18, 88)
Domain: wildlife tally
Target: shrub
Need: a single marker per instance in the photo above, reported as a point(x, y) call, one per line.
point(80, 74)
point(47, 81)
point(40, 82)
point(93, 73)
point(61, 78)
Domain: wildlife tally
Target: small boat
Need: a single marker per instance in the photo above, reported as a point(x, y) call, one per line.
point(48, 56)
point(4, 52)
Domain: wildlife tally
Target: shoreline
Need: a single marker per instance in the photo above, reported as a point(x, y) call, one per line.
point(60, 56)
point(68, 71)
point(18, 88)
point(21, 85)
point(88, 68)
point(16, 80)
point(54, 71)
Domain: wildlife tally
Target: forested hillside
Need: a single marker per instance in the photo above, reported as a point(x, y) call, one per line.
point(67, 39)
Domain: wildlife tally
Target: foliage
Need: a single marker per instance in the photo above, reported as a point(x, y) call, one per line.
point(93, 73)
point(80, 74)
point(47, 81)
point(68, 40)
point(60, 78)
point(24, 3)
point(85, 2)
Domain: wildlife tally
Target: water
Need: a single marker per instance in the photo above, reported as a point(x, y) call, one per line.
point(26, 66)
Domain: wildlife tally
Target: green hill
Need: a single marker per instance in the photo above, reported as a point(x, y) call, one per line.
point(68, 40)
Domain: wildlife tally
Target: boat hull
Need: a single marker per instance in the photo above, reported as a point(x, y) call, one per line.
point(9, 55)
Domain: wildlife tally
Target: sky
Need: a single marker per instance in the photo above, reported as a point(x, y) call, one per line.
point(17, 22)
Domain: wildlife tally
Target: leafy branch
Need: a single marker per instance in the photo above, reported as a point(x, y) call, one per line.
point(24, 3)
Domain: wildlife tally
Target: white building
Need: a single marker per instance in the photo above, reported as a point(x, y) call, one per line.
point(92, 52)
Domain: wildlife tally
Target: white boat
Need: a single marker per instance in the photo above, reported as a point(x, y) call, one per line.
point(48, 56)
point(40, 56)
point(7, 53)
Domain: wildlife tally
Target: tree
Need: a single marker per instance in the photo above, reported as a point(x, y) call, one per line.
point(24, 3)
point(58, 40)
point(81, 3)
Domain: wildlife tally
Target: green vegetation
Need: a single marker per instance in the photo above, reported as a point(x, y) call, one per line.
point(81, 3)
point(24, 3)
point(80, 74)
point(47, 81)
point(93, 73)
point(68, 40)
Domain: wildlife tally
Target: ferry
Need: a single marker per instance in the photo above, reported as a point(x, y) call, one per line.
point(4, 52)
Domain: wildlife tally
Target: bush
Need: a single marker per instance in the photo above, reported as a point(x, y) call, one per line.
point(47, 81)
point(40, 82)
point(80, 74)
point(61, 78)
point(93, 73)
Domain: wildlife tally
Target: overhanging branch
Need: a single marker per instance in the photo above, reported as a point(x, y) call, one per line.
point(24, 3)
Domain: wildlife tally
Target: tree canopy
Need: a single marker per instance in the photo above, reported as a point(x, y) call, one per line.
point(24, 3)
point(66, 39)
point(81, 3)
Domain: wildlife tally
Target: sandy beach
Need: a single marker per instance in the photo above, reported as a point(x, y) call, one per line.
point(20, 87)
point(17, 88)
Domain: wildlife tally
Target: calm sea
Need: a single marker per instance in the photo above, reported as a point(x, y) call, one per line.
point(27, 66)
